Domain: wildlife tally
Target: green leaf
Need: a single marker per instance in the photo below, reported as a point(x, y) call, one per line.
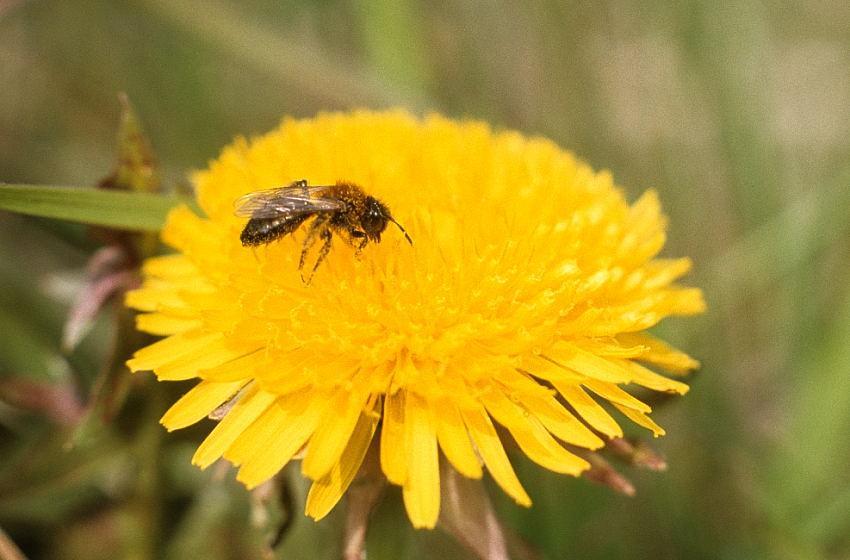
point(115, 209)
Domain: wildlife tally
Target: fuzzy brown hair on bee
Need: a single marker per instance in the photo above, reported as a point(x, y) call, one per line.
point(343, 208)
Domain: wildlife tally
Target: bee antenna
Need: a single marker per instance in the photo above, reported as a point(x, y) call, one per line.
point(409, 240)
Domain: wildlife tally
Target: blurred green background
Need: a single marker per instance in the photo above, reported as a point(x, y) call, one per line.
point(737, 112)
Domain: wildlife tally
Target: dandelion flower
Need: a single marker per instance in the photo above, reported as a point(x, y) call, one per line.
point(523, 303)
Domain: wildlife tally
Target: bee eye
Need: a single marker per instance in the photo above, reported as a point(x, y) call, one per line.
point(372, 222)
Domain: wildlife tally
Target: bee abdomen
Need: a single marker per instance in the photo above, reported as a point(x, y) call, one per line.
point(264, 230)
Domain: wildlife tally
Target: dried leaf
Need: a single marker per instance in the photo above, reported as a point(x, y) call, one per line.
point(135, 171)
point(602, 472)
point(638, 453)
point(8, 549)
point(137, 168)
point(57, 402)
point(106, 276)
point(112, 383)
point(467, 514)
point(362, 497)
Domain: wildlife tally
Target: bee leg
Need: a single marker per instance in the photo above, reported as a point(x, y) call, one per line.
point(312, 235)
point(361, 247)
point(327, 237)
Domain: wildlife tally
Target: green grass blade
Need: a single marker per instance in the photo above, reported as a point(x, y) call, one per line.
point(121, 210)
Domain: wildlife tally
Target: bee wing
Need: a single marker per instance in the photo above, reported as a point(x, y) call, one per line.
point(284, 201)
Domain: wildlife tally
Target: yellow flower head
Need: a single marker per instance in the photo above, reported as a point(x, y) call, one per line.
point(522, 303)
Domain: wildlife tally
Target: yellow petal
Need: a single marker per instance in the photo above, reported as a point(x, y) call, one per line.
point(169, 266)
point(486, 439)
point(615, 394)
point(327, 491)
point(165, 325)
point(252, 403)
point(651, 380)
point(170, 348)
point(589, 409)
point(286, 426)
point(202, 399)
point(561, 423)
point(682, 301)
point(188, 365)
point(589, 364)
point(646, 225)
point(393, 451)
point(185, 231)
point(660, 353)
point(254, 440)
point(532, 437)
point(244, 366)
point(421, 490)
point(332, 434)
point(454, 440)
point(609, 348)
point(150, 298)
point(519, 381)
point(641, 419)
point(545, 368)
point(662, 272)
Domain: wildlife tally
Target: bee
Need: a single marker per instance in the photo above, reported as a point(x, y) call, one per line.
point(343, 208)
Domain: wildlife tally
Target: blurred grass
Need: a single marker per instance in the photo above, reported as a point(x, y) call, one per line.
point(738, 113)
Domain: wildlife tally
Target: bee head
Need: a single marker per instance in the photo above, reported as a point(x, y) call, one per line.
point(374, 218)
